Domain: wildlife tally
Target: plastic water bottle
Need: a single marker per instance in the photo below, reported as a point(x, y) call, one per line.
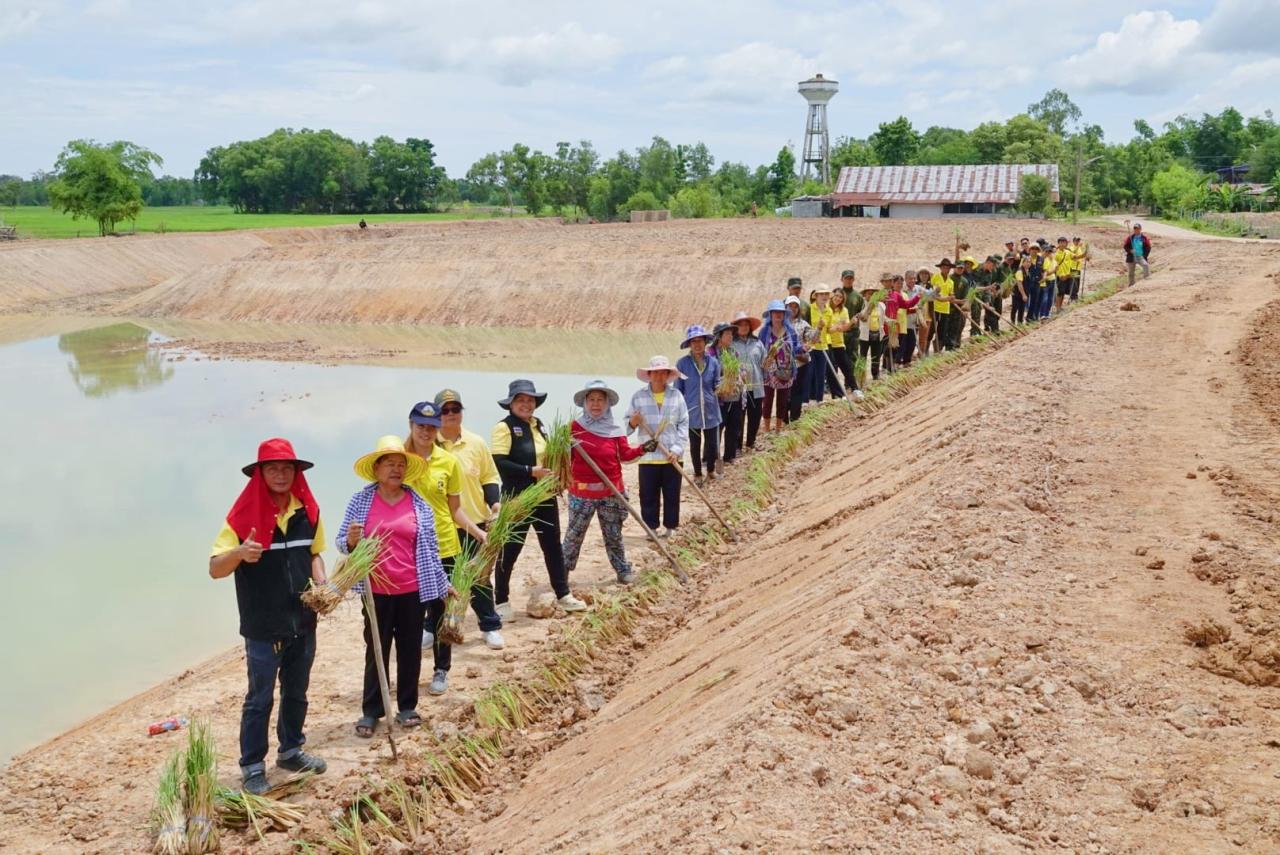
point(171, 723)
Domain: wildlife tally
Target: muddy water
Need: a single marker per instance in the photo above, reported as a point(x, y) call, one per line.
point(121, 462)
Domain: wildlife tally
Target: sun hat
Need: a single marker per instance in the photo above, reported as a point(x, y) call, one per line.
point(821, 289)
point(522, 387)
point(946, 262)
point(390, 444)
point(885, 276)
point(755, 322)
point(721, 327)
point(695, 331)
point(867, 287)
point(425, 413)
point(658, 363)
point(794, 282)
point(580, 396)
point(276, 450)
point(776, 306)
point(969, 259)
point(447, 396)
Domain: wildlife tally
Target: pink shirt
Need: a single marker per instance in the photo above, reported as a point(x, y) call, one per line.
point(399, 523)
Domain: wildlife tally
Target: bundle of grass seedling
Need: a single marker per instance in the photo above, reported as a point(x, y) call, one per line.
point(730, 386)
point(559, 452)
point(200, 785)
point(468, 570)
point(514, 512)
point(169, 817)
point(361, 565)
point(238, 809)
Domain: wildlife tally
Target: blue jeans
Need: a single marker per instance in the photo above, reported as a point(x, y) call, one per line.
point(290, 660)
point(1046, 301)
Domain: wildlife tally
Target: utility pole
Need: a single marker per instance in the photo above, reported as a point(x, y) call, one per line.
point(1080, 165)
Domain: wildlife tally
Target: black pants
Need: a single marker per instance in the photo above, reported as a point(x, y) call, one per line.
point(975, 320)
point(731, 417)
point(870, 351)
point(754, 411)
point(704, 448)
point(991, 316)
point(290, 660)
point(799, 390)
point(1019, 308)
point(660, 491)
point(546, 524)
point(906, 347)
point(400, 618)
point(843, 364)
point(825, 362)
point(481, 594)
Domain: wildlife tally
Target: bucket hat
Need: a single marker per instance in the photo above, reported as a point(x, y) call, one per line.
point(822, 289)
point(721, 327)
point(522, 387)
point(695, 331)
point(658, 363)
point(425, 413)
point(775, 306)
point(946, 262)
point(755, 322)
point(580, 396)
point(390, 444)
point(276, 450)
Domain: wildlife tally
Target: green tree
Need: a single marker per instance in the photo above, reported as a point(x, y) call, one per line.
point(10, 190)
point(895, 143)
point(1056, 110)
point(101, 182)
point(1034, 194)
point(782, 177)
point(1177, 189)
point(988, 140)
point(1264, 159)
point(848, 151)
point(697, 201)
point(641, 200)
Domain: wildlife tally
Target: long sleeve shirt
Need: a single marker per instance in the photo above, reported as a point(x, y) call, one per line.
point(432, 582)
point(609, 453)
point(699, 390)
point(667, 421)
point(751, 354)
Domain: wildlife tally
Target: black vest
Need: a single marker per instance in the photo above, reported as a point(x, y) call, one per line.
point(267, 592)
point(523, 453)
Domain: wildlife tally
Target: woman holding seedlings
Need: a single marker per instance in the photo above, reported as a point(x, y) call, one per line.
point(700, 375)
point(840, 358)
point(778, 368)
point(729, 390)
point(410, 579)
point(271, 540)
point(441, 485)
point(751, 357)
point(603, 440)
point(658, 412)
point(871, 326)
point(806, 335)
point(519, 447)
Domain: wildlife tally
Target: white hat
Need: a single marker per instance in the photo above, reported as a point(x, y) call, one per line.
point(658, 363)
point(793, 299)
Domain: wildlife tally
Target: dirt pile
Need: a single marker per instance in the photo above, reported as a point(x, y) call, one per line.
point(621, 276)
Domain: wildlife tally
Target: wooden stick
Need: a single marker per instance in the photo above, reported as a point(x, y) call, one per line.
point(675, 565)
point(376, 638)
point(692, 483)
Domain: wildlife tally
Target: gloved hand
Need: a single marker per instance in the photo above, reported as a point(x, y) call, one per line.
point(651, 445)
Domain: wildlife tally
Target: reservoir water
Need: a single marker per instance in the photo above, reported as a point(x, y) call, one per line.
point(121, 462)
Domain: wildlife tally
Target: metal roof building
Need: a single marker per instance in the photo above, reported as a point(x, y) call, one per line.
point(934, 191)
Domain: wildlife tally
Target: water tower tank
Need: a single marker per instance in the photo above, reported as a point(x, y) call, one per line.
point(817, 90)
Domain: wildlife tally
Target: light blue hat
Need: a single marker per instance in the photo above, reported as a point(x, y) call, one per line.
point(695, 331)
point(775, 306)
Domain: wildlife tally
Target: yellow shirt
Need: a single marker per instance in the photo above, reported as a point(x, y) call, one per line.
point(478, 469)
point(442, 479)
point(945, 288)
point(660, 397)
point(1065, 262)
point(1050, 271)
point(500, 441)
point(228, 540)
point(836, 339)
point(1078, 252)
point(820, 318)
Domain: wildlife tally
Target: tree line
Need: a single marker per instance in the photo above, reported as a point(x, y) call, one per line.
point(311, 171)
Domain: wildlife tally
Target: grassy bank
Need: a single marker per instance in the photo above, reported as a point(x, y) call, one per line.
point(1224, 225)
point(42, 222)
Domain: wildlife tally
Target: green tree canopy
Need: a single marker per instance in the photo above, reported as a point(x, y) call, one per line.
point(101, 182)
point(1034, 194)
point(895, 142)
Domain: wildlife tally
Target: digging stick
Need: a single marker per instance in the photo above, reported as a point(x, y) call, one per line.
point(692, 483)
point(376, 638)
point(675, 565)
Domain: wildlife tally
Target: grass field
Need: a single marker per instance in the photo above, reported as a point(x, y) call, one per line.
point(46, 223)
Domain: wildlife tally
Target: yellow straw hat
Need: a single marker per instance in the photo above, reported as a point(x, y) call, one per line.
point(390, 444)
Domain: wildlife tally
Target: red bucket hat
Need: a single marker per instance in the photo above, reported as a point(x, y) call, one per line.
point(255, 510)
point(276, 450)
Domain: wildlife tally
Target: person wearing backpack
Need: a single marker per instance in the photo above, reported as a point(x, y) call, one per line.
point(1137, 251)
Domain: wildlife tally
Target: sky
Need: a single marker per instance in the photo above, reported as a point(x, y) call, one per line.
point(474, 77)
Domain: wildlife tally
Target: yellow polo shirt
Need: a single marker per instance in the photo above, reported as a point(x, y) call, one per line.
point(228, 540)
point(478, 469)
point(1065, 262)
point(817, 316)
point(442, 479)
point(945, 286)
point(500, 441)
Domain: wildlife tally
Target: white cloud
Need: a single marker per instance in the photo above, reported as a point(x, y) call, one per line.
point(1151, 53)
point(754, 72)
point(18, 19)
point(1243, 25)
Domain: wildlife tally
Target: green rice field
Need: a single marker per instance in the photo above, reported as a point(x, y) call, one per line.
point(43, 222)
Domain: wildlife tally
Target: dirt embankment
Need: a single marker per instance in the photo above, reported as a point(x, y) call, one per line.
point(622, 276)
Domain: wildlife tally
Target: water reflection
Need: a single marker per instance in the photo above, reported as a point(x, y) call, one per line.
point(109, 359)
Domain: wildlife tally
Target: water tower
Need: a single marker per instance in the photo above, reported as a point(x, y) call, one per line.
point(817, 90)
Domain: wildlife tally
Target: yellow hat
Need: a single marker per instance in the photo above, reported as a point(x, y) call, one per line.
point(390, 444)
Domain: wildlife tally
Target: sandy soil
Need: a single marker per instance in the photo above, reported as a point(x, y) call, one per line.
point(1030, 607)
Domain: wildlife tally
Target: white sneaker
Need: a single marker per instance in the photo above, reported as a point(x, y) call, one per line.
point(570, 603)
point(668, 532)
point(857, 395)
point(505, 612)
point(427, 639)
point(662, 532)
point(493, 639)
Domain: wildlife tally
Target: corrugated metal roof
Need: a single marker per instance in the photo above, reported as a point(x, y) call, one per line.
point(992, 182)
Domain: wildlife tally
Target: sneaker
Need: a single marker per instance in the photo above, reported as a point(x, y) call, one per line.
point(626, 577)
point(256, 783)
point(427, 640)
point(857, 395)
point(570, 603)
point(662, 532)
point(439, 683)
point(493, 639)
point(302, 762)
point(505, 612)
point(668, 532)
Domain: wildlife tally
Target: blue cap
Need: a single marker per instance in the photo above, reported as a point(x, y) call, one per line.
point(775, 306)
point(425, 413)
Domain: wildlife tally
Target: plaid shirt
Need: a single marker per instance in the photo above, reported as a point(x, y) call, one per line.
point(673, 415)
point(432, 582)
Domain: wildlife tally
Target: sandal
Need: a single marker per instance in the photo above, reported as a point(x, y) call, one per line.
point(409, 719)
point(366, 726)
